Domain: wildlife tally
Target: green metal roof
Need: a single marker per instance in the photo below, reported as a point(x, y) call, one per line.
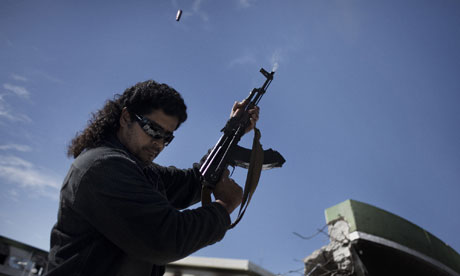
point(368, 219)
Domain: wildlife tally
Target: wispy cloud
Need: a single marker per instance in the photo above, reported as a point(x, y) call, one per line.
point(8, 221)
point(33, 180)
point(8, 42)
point(47, 76)
point(197, 9)
point(245, 3)
point(7, 113)
point(19, 78)
point(243, 60)
point(17, 147)
point(20, 91)
point(13, 195)
point(275, 57)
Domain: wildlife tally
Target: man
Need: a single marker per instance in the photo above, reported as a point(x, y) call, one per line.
point(119, 213)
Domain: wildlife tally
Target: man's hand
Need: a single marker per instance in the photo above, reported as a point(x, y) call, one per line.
point(228, 193)
point(254, 113)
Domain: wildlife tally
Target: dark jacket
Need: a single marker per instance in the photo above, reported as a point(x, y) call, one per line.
point(117, 217)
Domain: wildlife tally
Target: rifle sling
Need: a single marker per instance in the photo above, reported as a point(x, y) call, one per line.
point(252, 178)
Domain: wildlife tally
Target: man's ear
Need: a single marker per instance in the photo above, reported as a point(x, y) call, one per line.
point(125, 118)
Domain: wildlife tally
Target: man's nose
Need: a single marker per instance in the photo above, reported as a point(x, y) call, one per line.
point(160, 143)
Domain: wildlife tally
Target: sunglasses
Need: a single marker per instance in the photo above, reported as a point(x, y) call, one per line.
point(154, 130)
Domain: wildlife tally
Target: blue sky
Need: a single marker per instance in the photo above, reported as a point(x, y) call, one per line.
point(364, 105)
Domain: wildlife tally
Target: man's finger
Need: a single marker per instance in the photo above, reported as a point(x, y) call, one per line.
point(255, 110)
point(235, 106)
point(254, 114)
point(236, 109)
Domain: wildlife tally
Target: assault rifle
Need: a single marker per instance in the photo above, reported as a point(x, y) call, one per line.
point(227, 152)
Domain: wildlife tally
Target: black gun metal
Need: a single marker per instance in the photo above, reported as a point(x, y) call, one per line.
point(226, 152)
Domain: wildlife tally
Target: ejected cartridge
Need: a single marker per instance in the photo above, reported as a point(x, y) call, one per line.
point(178, 15)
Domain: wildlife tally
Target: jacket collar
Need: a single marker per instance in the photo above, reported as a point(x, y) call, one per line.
point(114, 142)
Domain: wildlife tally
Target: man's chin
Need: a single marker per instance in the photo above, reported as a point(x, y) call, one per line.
point(146, 159)
point(150, 158)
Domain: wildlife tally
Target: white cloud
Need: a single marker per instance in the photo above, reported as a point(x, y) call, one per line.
point(20, 91)
point(5, 112)
point(195, 10)
point(33, 180)
point(18, 78)
point(191, 10)
point(23, 148)
point(8, 221)
point(13, 195)
point(48, 77)
point(196, 7)
point(245, 3)
point(242, 60)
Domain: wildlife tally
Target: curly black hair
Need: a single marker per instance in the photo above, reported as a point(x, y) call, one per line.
point(142, 98)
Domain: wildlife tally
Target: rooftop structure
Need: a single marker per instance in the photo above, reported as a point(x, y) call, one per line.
point(19, 259)
point(215, 266)
point(366, 240)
